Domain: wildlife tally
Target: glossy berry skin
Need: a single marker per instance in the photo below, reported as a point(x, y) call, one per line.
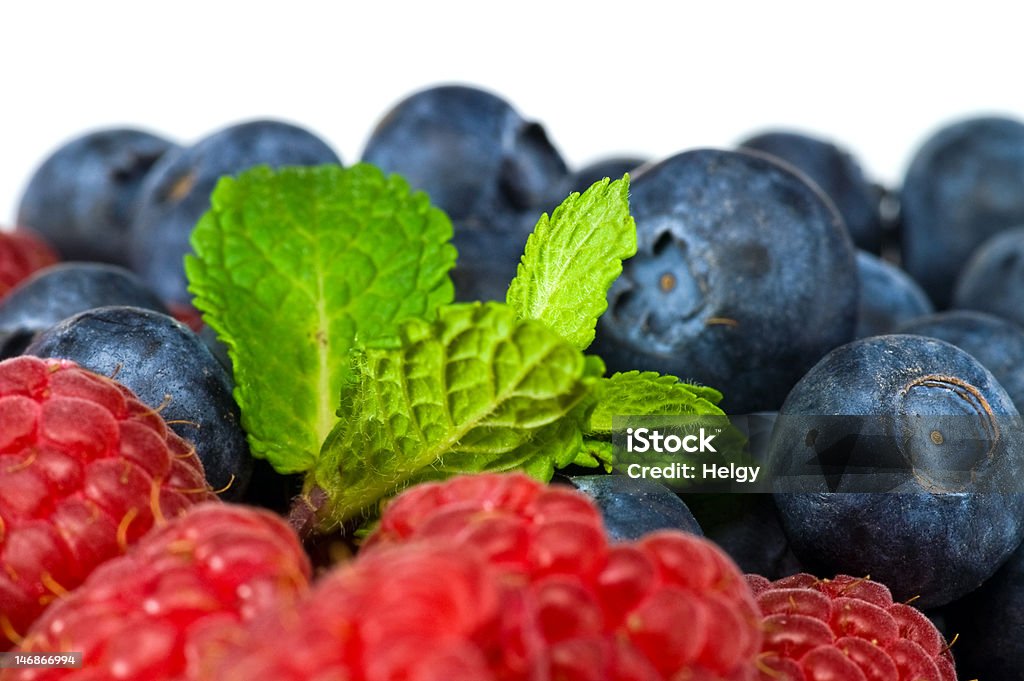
point(497, 576)
point(835, 172)
point(87, 470)
point(83, 195)
point(991, 279)
point(632, 507)
point(744, 277)
point(995, 342)
point(421, 613)
point(963, 185)
point(891, 486)
point(61, 290)
point(170, 369)
point(160, 611)
point(888, 296)
point(479, 160)
point(22, 252)
point(177, 193)
point(469, 150)
point(847, 629)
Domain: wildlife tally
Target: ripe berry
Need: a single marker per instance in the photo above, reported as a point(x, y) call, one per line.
point(846, 629)
point(422, 612)
point(160, 611)
point(21, 254)
point(85, 470)
point(670, 605)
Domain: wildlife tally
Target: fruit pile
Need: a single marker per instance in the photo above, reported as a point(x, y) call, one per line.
point(267, 416)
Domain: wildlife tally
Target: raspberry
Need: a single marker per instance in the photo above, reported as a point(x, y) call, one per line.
point(21, 253)
point(85, 470)
point(422, 612)
point(846, 629)
point(670, 605)
point(177, 597)
point(526, 527)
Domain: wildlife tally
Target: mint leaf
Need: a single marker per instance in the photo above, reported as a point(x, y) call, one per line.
point(476, 389)
point(291, 268)
point(595, 453)
point(572, 259)
point(647, 393)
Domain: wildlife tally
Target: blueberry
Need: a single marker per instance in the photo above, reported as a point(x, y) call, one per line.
point(888, 296)
point(995, 342)
point(61, 290)
point(963, 185)
point(743, 279)
point(81, 199)
point(993, 277)
point(835, 172)
point(989, 622)
point(490, 170)
point(217, 347)
point(936, 442)
point(177, 192)
point(170, 369)
point(489, 250)
point(632, 507)
point(469, 150)
point(613, 167)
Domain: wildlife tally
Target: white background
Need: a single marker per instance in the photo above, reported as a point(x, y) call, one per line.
point(649, 78)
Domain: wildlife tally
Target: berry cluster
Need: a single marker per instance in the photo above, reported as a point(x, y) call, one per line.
point(87, 470)
point(181, 591)
point(500, 577)
point(845, 628)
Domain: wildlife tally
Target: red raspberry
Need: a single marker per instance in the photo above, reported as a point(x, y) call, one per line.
point(21, 253)
point(845, 629)
point(85, 471)
point(175, 598)
point(668, 606)
point(527, 527)
point(420, 612)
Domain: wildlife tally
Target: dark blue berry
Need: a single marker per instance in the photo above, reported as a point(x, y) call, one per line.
point(888, 296)
point(995, 342)
point(632, 507)
point(59, 291)
point(936, 442)
point(490, 170)
point(82, 198)
point(163, 362)
point(177, 193)
point(743, 279)
point(993, 277)
point(613, 168)
point(964, 184)
point(836, 173)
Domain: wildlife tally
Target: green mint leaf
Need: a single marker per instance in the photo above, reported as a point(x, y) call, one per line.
point(291, 268)
point(647, 393)
point(476, 389)
point(594, 454)
point(572, 259)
